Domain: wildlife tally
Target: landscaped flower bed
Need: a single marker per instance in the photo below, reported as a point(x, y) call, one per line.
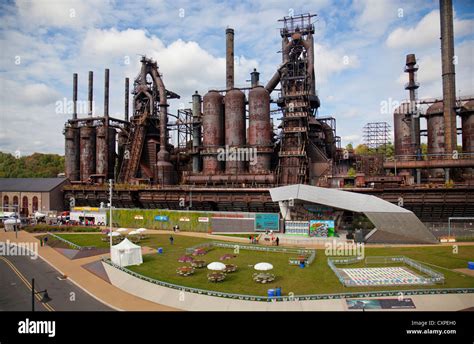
point(216, 276)
point(198, 264)
point(263, 277)
point(199, 252)
point(185, 259)
point(227, 256)
point(230, 268)
point(185, 271)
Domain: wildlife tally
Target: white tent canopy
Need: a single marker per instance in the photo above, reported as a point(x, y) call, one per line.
point(263, 266)
point(126, 253)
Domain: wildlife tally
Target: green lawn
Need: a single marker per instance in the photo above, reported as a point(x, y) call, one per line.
point(85, 239)
point(318, 278)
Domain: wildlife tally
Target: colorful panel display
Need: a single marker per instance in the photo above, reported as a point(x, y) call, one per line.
point(267, 222)
point(321, 228)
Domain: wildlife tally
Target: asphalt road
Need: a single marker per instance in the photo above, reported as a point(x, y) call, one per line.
point(16, 273)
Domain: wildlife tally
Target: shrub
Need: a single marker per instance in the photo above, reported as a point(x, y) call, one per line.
point(39, 228)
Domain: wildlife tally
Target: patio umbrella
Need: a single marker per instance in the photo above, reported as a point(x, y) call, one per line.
point(216, 266)
point(140, 230)
point(121, 230)
point(263, 266)
point(113, 234)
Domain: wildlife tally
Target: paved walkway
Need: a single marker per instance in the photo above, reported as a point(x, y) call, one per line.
point(284, 241)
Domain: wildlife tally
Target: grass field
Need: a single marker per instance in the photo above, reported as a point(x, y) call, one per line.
point(318, 278)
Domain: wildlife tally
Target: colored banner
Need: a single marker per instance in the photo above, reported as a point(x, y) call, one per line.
point(203, 219)
point(161, 218)
point(267, 222)
point(405, 303)
point(138, 217)
point(321, 228)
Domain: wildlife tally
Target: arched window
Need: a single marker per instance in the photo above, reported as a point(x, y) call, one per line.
point(24, 206)
point(6, 202)
point(15, 204)
point(35, 204)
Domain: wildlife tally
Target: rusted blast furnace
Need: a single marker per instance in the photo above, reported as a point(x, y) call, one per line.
point(440, 113)
point(147, 152)
point(213, 131)
point(230, 138)
point(260, 131)
point(90, 141)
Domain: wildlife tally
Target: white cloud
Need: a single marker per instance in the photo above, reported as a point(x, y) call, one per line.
point(426, 32)
point(63, 13)
point(375, 16)
point(112, 43)
point(331, 61)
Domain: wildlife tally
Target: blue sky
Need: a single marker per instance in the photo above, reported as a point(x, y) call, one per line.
point(360, 53)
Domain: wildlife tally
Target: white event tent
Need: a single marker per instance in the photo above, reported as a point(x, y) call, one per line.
point(126, 253)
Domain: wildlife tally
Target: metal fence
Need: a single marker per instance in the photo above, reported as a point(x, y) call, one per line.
point(290, 298)
point(310, 253)
point(73, 245)
point(434, 277)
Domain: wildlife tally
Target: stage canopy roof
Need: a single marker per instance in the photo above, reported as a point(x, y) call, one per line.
point(393, 224)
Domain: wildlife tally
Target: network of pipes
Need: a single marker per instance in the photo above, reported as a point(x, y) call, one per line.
point(229, 137)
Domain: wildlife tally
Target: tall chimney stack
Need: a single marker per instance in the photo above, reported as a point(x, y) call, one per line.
point(448, 74)
point(229, 48)
point(127, 82)
point(90, 93)
point(74, 95)
point(106, 93)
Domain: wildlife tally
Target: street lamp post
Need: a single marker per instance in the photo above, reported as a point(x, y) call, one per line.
point(46, 297)
point(110, 209)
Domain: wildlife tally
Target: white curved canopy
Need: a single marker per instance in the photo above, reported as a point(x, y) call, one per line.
point(263, 266)
point(216, 266)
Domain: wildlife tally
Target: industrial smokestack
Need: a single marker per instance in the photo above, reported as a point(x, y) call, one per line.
point(196, 131)
point(448, 74)
point(74, 95)
point(229, 33)
point(254, 78)
point(90, 93)
point(106, 93)
point(411, 68)
point(127, 82)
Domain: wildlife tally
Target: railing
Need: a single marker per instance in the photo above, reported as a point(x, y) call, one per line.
point(434, 277)
point(290, 298)
point(66, 241)
point(311, 253)
point(427, 157)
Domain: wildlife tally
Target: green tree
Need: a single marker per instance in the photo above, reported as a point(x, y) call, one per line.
point(36, 165)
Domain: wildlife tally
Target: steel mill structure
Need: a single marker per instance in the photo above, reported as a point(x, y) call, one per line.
point(235, 143)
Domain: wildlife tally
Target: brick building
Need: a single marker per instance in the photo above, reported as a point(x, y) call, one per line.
point(28, 195)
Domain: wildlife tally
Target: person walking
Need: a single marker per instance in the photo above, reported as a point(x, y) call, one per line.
point(277, 241)
point(171, 240)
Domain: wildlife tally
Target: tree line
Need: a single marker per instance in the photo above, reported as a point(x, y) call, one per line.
point(36, 165)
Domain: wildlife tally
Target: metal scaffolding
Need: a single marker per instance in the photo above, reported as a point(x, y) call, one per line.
point(376, 134)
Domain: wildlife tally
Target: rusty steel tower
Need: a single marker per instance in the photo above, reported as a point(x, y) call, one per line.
point(146, 152)
point(298, 98)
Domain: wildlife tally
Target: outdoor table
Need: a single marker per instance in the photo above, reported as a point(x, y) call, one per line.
point(263, 277)
point(216, 276)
